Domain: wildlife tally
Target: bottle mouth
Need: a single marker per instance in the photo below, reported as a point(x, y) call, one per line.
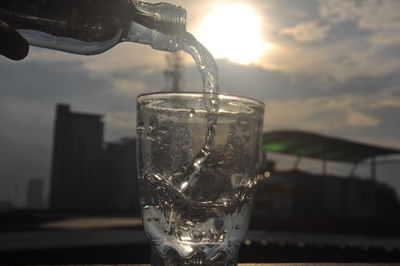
point(162, 17)
point(181, 19)
point(169, 32)
point(166, 22)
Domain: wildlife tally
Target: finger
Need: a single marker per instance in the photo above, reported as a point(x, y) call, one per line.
point(12, 44)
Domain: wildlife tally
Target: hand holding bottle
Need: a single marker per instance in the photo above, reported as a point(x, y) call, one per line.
point(12, 44)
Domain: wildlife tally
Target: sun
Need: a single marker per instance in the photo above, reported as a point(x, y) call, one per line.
point(233, 31)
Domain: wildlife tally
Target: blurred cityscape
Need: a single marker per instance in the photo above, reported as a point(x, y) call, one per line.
point(87, 174)
point(93, 215)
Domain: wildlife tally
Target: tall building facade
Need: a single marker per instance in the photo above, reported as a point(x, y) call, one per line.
point(76, 183)
point(120, 175)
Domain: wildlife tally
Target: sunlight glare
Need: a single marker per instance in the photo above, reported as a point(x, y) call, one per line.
point(233, 31)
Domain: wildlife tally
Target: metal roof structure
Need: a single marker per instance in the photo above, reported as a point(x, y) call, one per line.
point(311, 145)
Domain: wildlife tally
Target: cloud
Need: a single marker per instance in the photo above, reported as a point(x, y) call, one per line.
point(358, 119)
point(299, 13)
point(25, 141)
point(307, 32)
point(338, 11)
point(388, 101)
point(380, 17)
point(121, 57)
point(306, 114)
point(369, 14)
point(320, 114)
point(361, 52)
point(358, 38)
point(128, 87)
point(316, 102)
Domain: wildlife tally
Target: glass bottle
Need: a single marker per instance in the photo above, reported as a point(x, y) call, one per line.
point(91, 27)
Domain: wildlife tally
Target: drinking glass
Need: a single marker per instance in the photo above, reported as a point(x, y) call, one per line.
point(196, 201)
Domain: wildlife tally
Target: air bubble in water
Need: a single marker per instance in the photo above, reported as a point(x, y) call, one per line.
point(197, 236)
point(179, 234)
point(184, 228)
point(218, 224)
point(140, 128)
point(192, 113)
point(222, 237)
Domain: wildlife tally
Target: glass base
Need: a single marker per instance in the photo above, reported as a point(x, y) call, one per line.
point(172, 258)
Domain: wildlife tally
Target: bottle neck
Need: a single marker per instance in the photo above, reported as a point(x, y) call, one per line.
point(161, 25)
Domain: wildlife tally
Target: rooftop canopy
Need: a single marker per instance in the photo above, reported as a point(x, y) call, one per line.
point(304, 144)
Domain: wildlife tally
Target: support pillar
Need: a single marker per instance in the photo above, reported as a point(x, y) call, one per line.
point(373, 169)
point(297, 162)
point(353, 170)
point(375, 189)
point(324, 167)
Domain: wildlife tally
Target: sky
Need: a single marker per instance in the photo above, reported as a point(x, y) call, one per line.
point(330, 67)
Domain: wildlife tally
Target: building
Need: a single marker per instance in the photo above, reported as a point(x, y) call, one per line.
point(301, 195)
point(120, 175)
point(77, 146)
point(34, 194)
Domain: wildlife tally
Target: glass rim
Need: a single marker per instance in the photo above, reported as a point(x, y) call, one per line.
point(188, 93)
